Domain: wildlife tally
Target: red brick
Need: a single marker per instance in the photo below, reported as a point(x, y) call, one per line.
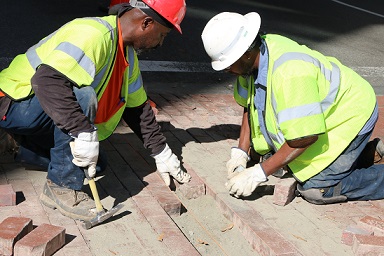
point(13, 229)
point(43, 240)
point(373, 224)
point(7, 195)
point(193, 189)
point(284, 191)
point(350, 231)
point(368, 245)
point(167, 199)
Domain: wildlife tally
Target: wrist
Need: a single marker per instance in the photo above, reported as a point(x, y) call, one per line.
point(76, 134)
point(236, 151)
point(166, 152)
point(262, 169)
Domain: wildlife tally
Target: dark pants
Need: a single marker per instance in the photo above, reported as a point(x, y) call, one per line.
point(43, 143)
point(356, 183)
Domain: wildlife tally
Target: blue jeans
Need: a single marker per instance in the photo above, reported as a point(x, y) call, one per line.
point(356, 183)
point(42, 142)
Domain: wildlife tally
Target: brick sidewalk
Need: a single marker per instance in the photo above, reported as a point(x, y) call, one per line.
point(200, 128)
point(297, 228)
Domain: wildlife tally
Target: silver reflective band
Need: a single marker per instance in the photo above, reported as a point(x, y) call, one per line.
point(138, 4)
point(333, 77)
point(33, 58)
point(79, 55)
point(68, 48)
point(106, 24)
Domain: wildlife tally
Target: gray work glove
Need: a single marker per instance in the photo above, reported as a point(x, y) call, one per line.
point(85, 151)
point(246, 181)
point(238, 158)
point(168, 164)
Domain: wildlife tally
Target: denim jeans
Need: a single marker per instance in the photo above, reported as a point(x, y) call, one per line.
point(37, 134)
point(356, 183)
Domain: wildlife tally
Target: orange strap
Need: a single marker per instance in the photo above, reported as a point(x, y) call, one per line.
point(111, 101)
point(1, 94)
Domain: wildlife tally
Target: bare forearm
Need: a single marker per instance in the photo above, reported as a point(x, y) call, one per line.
point(245, 134)
point(287, 153)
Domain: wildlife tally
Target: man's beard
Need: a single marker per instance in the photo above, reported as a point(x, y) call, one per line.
point(142, 51)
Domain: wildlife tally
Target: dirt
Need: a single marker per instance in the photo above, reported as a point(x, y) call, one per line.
point(208, 230)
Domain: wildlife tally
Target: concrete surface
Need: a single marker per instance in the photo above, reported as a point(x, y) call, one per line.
point(200, 128)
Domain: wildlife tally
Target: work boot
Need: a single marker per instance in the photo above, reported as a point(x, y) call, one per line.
point(7, 144)
point(71, 203)
point(379, 154)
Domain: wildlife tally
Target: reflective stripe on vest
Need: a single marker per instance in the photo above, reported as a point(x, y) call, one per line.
point(301, 111)
point(70, 49)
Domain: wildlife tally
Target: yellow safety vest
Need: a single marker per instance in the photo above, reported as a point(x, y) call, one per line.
point(308, 93)
point(85, 51)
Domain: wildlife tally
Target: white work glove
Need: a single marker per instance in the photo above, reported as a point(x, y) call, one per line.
point(167, 164)
point(238, 158)
point(85, 151)
point(246, 181)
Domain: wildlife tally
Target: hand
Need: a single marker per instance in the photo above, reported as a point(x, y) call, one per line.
point(245, 182)
point(168, 164)
point(85, 151)
point(238, 157)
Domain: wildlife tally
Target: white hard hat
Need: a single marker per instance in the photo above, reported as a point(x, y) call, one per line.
point(227, 36)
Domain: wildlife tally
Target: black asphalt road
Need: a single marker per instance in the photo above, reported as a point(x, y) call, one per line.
point(351, 30)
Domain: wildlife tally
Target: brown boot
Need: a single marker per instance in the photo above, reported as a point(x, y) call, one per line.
point(7, 144)
point(379, 151)
point(71, 203)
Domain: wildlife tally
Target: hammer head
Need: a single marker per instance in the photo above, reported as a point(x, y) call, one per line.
point(101, 217)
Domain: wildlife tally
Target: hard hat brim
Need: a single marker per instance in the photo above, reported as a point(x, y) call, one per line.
point(252, 27)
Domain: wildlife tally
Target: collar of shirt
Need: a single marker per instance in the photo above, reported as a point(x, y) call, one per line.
point(263, 65)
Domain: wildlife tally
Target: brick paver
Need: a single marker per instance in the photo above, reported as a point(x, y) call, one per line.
point(7, 195)
point(351, 231)
point(375, 225)
point(284, 191)
point(12, 229)
point(368, 245)
point(200, 129)
point(43, 240)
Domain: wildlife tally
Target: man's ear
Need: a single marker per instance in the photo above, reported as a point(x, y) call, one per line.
point(147, 23)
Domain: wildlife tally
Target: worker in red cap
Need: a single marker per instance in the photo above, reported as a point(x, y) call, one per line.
point(70, 91)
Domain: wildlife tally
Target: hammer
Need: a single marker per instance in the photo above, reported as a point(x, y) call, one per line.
point(101, 214)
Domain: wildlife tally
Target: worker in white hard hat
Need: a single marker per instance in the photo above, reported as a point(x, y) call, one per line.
point(315, 114)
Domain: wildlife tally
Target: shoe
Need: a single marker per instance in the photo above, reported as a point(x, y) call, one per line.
point(7, 144)
point(379, 150)
point(71, 203)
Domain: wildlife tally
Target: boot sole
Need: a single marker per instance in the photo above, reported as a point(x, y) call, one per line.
point(51, 204)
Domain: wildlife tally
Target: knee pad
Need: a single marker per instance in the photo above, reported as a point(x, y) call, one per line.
point(315, 195)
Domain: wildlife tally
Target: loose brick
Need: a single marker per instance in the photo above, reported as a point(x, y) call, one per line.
point(373, 224)
point(368, 245)
point(284, 191)
point(7, 195)
point(13, 229)
point(43, 240)
point(350, 231)
point(193, 189)
point(165, 197)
